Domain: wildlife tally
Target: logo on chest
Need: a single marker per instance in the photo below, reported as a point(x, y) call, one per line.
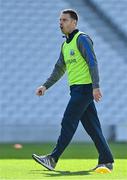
point(71, 59)
point(72, 52)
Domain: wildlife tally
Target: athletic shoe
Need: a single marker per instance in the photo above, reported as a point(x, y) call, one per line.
point(47, 161)
point(104, 168)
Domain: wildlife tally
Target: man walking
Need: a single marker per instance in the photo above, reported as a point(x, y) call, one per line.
point(78, 59)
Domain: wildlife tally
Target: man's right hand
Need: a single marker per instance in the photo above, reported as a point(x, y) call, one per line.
point(40, 91)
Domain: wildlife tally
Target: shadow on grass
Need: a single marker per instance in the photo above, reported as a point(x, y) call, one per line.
point(48, 173)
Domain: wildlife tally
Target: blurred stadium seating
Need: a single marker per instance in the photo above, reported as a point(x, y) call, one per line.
point(30, 45)
point(115, 10)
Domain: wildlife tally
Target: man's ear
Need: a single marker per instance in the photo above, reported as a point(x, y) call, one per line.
point(75, 22)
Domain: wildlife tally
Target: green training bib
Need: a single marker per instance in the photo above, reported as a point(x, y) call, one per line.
point(77, 68)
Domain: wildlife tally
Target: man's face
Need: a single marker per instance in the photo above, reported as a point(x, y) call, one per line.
point(67, 24)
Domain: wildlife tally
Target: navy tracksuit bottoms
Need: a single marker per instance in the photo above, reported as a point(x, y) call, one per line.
point(81, 108)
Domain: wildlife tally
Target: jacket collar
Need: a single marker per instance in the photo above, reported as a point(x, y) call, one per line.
point(71, 35)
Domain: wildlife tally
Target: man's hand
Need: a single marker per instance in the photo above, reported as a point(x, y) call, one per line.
point(40, 91)
point(97, 94)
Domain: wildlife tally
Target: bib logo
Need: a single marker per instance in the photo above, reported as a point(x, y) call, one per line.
point(72, 52)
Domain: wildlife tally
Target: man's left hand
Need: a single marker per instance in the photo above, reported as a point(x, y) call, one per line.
point(97, 94)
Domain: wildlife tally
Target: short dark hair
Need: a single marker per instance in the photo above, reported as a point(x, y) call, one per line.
point(72, 13)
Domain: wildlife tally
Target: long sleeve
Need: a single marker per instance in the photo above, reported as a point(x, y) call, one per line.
point(57, 73)
point(85, 46)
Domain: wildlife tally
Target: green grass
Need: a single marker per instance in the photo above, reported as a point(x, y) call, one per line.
point(74, 163)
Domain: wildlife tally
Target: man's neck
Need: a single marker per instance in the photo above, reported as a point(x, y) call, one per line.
point(70, 36)
point(67, 35)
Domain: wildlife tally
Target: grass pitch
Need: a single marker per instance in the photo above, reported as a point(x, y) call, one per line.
point(74, 163)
